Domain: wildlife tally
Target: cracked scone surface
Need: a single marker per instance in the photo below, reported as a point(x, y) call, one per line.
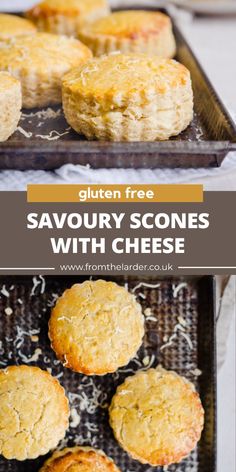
point(66, 17)
point(39, 62)
point(96, 327)
point(79, 459)
point(129, 97)
point(13, 25)
point(10, 105)
point(130, 31)
point(34, 412)
point(157, 417)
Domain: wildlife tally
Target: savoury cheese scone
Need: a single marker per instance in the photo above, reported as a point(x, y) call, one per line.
point(130, 31)
point(157, 417)
point(96, 327)
point(39, 62)
point(66, 16)
point(13, 25)
point(79, 459)
point(10, 105)
point(34, 412)
point(128, 98)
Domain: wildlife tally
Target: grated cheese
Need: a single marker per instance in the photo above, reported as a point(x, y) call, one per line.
point(53, 135)
point(33, 358)
point(147, 312)
point(36, 282)
point(25, 133)
point(8, 311)
point(169, 342)
point(187, 339)
point(146, 360)
point(197, 372)
point(144, 284)
point(4, 291)
point(75, 418)
point(176, 289)
point(43, 284)
point(151, 318)
point(149, 364)
point(48, 113)
point(181, 321)
point(51, 302)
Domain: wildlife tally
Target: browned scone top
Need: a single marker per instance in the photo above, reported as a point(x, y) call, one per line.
point(66, 16)
point(96, 327)
point(157, 417)
point(136, 31)
point(79, 459)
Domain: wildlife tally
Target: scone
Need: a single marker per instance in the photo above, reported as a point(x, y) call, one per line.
point(96, 327)
point(34, 412)
point(12, 25)
point(79, 459)
point(130, 31)
point(128, 98)
point(40, 61)
point(66, 16)
point(10, 105)
point(157, 417)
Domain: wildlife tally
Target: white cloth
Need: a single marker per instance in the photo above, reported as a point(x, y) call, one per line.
point(223, 178)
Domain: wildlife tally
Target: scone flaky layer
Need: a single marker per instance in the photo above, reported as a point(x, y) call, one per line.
point(34, 412)
point(10, 104)
point(13, 25)
point(96, 327)
point(128, 98)
point(130, 31)
point(79, 459)
point(39, 62)
point(157, 417)
point(66, 17)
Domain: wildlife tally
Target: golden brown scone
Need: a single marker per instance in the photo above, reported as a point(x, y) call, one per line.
point(34, 412)
point(79, 459)
point(12, 25)
point(130, 31)
point(96, 327)
point(66, 16)
point(128, 98)
point(157, 417)
point(40, 61)
point(10, 105)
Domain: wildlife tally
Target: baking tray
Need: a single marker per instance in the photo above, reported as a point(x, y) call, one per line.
point(205, 143)
point(193, 300)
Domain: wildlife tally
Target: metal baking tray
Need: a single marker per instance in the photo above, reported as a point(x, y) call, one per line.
point(205, 143)
point(193, 300)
